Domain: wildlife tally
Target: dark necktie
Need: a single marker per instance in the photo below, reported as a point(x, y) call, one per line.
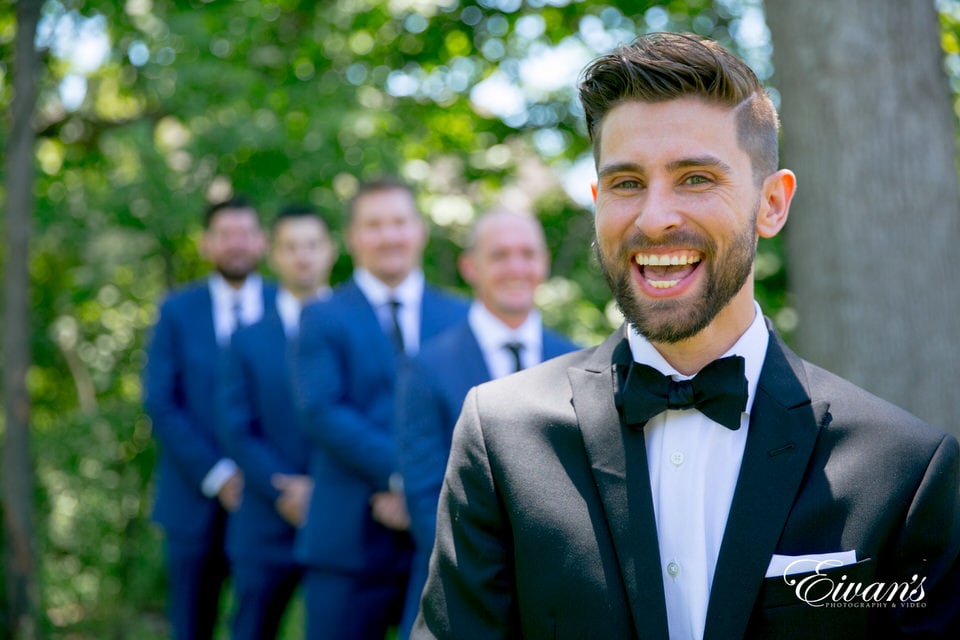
point(396, 335)
point(719, 392)
point(515, 348)
point(237, 310)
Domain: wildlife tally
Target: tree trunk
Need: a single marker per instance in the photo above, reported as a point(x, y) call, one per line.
point(20, 558)
point(868, 127)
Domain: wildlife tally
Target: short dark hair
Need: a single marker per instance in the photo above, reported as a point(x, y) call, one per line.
point(298, 210)
point(384, 183)
point(236, 202)
point(658, 67)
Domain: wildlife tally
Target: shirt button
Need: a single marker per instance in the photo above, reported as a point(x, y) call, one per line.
point(677, 458)
point(673, 569)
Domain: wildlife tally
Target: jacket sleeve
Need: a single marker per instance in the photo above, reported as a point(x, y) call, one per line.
point(192, 448)
point(241, 423)
point(330, 418)
point(470, 591)
point(929, 548)
point(423, 423)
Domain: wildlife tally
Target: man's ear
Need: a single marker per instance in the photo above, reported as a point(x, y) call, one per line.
point(593, 191)
point(203, 246)
point(468, 270)
point(776, 195)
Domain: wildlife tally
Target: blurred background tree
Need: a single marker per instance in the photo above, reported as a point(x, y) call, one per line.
point(148, 109)
point(870, 126)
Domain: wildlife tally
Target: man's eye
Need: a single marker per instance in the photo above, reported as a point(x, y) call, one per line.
point(627, 184)
point(697, 180)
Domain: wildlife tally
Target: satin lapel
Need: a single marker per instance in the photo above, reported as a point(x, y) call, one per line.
point(783, 431)
point(618, 459)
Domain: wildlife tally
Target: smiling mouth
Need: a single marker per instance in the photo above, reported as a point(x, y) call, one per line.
point(667, 270)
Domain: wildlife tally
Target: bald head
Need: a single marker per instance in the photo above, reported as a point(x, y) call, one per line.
point(505, 261)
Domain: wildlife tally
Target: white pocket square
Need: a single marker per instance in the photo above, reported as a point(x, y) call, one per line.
point(788, 565)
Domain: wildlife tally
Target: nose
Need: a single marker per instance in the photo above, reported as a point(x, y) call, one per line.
point(517, 263)
point(391, 233)
point(659, 211)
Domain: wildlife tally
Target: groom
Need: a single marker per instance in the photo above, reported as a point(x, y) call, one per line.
point(691, 477)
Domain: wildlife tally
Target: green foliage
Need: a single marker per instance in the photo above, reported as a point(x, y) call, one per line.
point(289, 100)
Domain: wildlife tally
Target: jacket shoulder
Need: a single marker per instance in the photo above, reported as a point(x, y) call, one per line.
point(556, 343)
point(546, 382)
point(445, 300)
point(445, 343)
point(186, 300)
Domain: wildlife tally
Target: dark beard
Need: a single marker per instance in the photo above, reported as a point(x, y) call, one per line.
point(233, 276)
point(668, 321)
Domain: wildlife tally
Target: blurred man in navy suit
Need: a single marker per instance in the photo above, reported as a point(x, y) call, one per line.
point(355, 543)
point(261, 431)
point(505, 261)
point(196, 481)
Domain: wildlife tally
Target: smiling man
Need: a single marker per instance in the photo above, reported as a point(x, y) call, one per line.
point(355, 543)
point(691, 477)
point(259, 429)
point(196, 482)
point(505, 261)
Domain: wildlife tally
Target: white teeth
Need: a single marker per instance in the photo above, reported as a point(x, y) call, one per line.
point(665, 260)
point(662, 284)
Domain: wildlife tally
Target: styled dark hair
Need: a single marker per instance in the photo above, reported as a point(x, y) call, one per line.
point(658, 67)
point(298, 210)
point(236, 202)
point(385, 183)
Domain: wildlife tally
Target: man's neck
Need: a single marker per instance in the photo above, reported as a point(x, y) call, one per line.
point(392, 282)
point(234, 283)
point(303, 295)
point(691, 355)
point(512, 320)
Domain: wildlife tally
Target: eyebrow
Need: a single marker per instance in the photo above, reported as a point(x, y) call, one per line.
point(683, 163)
point(620, 167)
point(700, 161)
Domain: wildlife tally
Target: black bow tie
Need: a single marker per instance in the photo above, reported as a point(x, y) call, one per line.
point(719, 392)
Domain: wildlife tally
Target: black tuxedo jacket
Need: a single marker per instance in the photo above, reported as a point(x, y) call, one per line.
point(546, 526)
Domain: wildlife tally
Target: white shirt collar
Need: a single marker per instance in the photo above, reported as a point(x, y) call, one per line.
point(409, 292)
point(752, 345)
point(289, 307)
point(221, 291)
point(492, 334)
point(225, 297)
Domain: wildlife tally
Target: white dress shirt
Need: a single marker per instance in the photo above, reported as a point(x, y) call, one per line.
point(408, 293)
point(289, 308)
point(225, 299)
point(492, 334)
point(694, 463)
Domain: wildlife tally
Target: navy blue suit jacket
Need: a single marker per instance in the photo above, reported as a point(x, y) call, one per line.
point(345, 376)
point(260, 431)
point(432, 392)
point(180, 396)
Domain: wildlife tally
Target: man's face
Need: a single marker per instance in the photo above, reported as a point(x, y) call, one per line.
point(676, 216)
point(233, 243)
point(302, 254)
point(506, 265)
point(386, 235)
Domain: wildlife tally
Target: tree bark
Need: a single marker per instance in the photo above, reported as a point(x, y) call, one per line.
point(20, 558)
point(868, 127)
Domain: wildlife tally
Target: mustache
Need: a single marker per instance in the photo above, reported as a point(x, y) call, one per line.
point(686, 238)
